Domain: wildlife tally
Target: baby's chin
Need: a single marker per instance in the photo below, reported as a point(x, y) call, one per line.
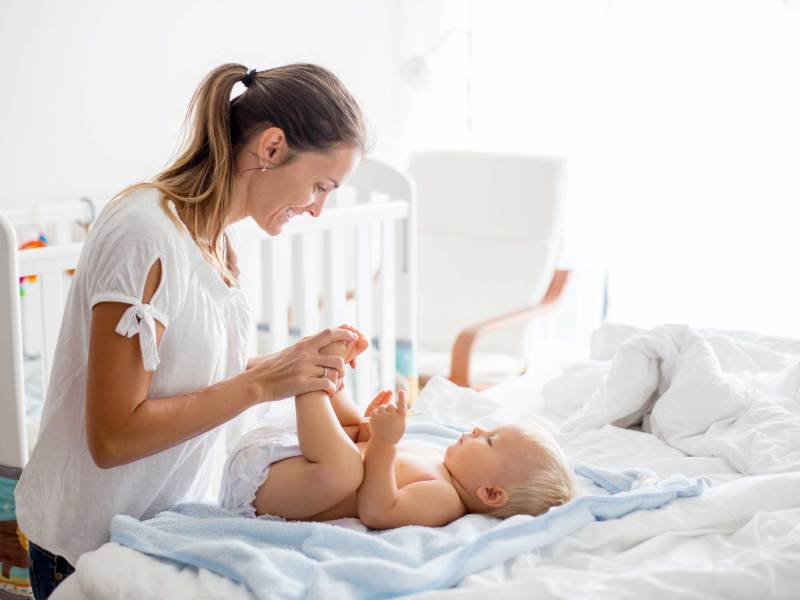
point(448, 451)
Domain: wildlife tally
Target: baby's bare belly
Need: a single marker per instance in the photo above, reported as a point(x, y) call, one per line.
point(411, 465)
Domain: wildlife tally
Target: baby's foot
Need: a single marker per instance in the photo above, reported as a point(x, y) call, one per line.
point(358, 346)
point(347, 350)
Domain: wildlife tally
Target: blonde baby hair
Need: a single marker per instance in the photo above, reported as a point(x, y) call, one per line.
point(549, 481)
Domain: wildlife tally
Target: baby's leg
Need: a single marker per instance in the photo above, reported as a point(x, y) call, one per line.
point(330, 469)
point(346, 410)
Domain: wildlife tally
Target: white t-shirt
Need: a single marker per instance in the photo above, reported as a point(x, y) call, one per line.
point(64, 501)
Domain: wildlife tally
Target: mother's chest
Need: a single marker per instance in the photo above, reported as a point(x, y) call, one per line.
point(205, 343)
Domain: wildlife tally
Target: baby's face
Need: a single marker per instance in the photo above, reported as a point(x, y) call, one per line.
point(487, 458)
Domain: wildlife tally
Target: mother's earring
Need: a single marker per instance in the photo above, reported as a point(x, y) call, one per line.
point(263, 167)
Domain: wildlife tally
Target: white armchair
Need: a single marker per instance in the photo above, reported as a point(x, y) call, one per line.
point(490, 228)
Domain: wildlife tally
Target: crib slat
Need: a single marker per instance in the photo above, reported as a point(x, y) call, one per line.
point(52, 310)
point(406, 280)
point(275, 293)
point(334, 293)
point(30, 312)
point(388, 342)
point(63, 233)
point(250, 265)
point(363, 309)
point(307, 280)
point(57, 212)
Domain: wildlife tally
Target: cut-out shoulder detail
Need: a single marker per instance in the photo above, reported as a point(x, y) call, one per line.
point(140, 318)
point(152, 282)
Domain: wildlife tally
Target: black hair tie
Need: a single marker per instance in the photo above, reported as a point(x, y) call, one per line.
point(248, 79)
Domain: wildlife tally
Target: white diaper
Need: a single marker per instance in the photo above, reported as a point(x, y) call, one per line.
point(248, 465)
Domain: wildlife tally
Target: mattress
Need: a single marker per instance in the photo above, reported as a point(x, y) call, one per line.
point(740, 539)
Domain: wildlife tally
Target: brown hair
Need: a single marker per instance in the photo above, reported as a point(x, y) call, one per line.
point(308, 102)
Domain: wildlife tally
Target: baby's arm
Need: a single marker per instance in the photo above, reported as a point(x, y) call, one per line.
point(429, 503)
point(356, 427)
point(380, 504)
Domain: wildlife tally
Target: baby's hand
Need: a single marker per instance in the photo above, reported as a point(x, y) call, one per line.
point(382, 397)
point(388, 422)
point(379, 400)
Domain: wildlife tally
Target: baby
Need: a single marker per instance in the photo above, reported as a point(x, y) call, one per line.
point(340, 465)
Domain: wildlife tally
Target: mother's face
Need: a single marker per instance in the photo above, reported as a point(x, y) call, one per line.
point(291, 185)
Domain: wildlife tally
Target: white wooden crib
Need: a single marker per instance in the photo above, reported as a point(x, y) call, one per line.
point(355, 263)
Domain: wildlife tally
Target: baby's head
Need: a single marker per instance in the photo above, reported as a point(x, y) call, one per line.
point(509, 470)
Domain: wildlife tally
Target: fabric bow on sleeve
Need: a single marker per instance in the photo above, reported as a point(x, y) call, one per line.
point(140, 318)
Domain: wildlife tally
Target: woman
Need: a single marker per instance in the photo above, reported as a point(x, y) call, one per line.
point(150, 361)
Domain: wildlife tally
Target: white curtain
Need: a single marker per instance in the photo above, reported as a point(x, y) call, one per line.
point(680, 120)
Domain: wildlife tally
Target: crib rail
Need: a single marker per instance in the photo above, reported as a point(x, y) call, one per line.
point(303, 268)
point(333, 218)
point(312, 249)
point(50, 259)
point(13, 431)
point(49, 264)
point(81, 211)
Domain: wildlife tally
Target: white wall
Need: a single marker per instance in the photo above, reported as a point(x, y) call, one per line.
point(680, 123)
point(94, 92)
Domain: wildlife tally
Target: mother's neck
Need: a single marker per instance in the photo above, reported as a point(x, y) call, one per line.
point(238, 207)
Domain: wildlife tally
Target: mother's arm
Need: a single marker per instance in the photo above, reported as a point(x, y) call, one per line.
point(124, 425)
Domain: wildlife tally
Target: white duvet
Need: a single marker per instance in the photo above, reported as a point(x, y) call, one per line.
point(706, 393)
point(720, 404)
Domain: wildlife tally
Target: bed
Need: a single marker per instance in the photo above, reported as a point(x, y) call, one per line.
point(356, 264)
point(740, 539)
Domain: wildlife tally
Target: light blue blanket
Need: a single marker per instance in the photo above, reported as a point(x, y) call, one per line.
point(278, 559)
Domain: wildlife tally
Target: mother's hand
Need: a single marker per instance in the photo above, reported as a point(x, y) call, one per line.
point(300, 368)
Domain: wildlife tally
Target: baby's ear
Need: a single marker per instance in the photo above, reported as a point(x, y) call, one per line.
point(492, 496)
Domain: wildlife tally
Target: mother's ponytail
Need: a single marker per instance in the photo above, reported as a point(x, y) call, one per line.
point(201, 177)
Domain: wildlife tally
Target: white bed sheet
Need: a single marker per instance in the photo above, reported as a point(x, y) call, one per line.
point(741, 539)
